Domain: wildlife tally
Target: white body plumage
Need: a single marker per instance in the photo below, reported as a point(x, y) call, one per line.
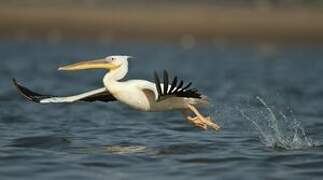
point(141, 94)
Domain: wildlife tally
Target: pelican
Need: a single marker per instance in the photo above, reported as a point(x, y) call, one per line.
point(141, 95)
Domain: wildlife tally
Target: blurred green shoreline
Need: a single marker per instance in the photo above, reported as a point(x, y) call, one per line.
point(163, 23)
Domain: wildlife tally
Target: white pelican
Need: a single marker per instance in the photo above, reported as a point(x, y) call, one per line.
point(139, 94)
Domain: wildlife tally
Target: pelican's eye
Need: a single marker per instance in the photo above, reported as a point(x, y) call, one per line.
point(110, 60)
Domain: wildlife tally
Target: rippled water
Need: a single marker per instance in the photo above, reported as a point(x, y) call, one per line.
point(279, 139)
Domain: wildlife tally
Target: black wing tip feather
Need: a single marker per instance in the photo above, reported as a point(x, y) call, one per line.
point(27, 93)
point(165, 82)
point(174, 89)
point(35, 97)
point(157, 83)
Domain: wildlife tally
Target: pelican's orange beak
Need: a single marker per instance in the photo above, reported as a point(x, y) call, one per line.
point(92, 64)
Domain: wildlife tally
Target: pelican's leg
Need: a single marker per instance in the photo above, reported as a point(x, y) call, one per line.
point(199, 120)
point(193, 120)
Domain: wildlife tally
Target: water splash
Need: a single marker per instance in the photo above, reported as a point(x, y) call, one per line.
point(279, 131)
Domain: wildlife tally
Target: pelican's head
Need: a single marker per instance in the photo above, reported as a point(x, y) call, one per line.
point(110, 63)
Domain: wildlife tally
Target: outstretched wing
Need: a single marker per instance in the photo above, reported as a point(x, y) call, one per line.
point(101, 94)
point(175, 89)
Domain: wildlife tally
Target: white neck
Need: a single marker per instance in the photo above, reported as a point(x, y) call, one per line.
point(116, 74)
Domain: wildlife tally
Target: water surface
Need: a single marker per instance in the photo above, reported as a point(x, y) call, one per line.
point(111, 141)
